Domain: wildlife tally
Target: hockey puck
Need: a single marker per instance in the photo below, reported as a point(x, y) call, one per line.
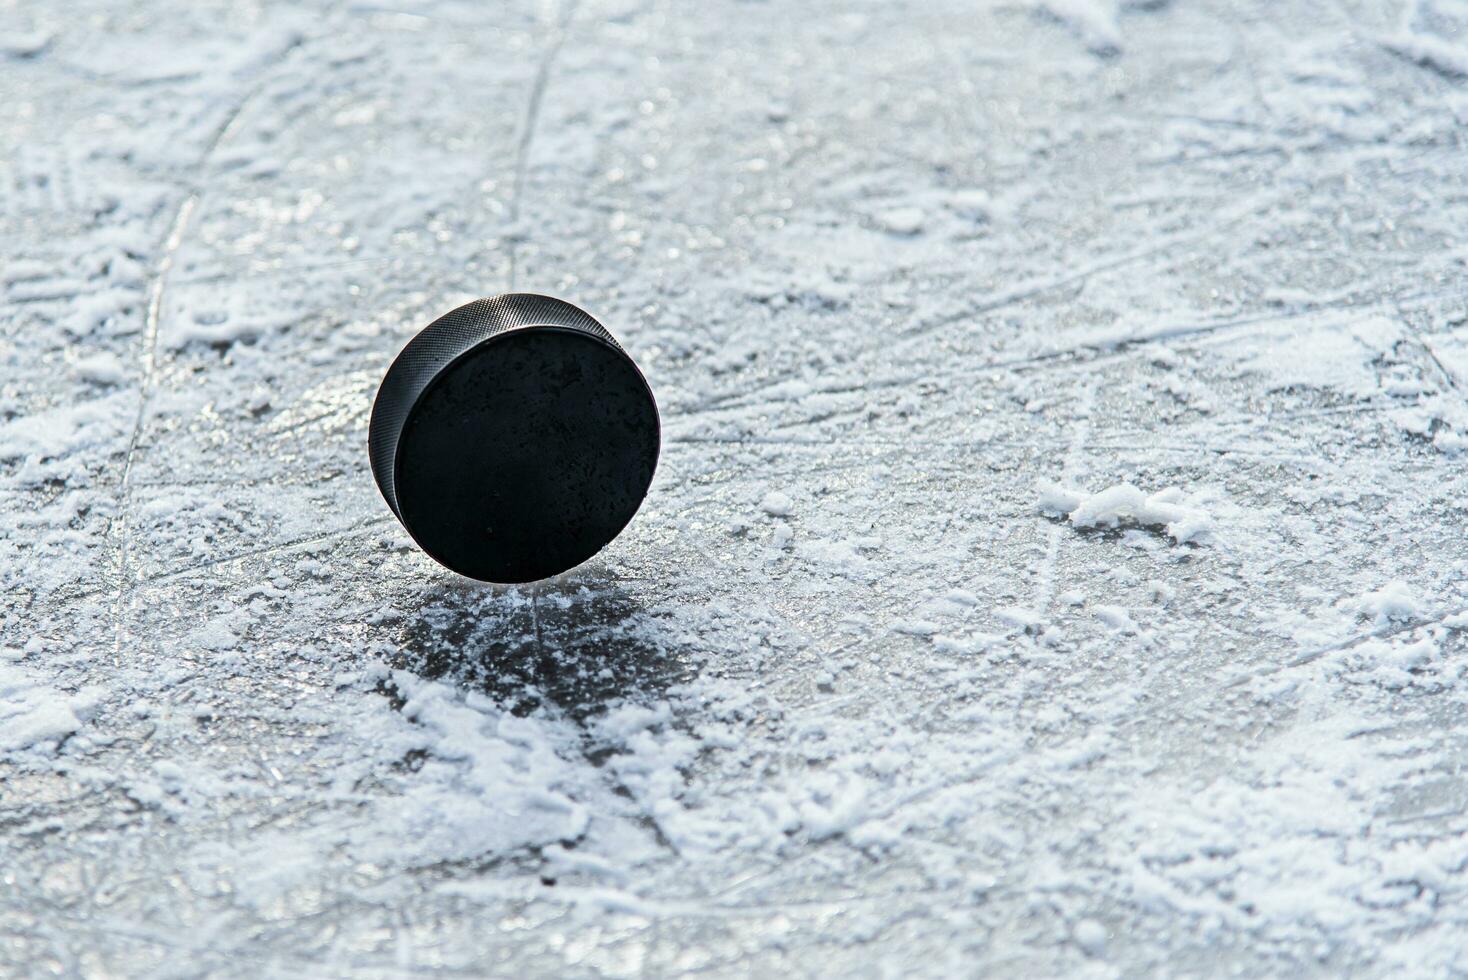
point(514, 438)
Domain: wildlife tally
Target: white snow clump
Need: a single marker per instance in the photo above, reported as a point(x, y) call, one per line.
point(1180, 514)
point(1394, 601)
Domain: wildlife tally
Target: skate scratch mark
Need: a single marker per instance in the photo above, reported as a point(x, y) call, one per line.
point(268, 550)
point(854, 439)
point(1085, 355)
point(1062, 357)
point(1301, 659)
point(152, 323)
point(307, 479)
point(723, 403)
point(527, 132)
point(1045, 587)
point(262, 552)
point(1029, 290)
point(535, 620)
point(1163, 244)
point(971, 100)
point(920, 334)
point(352, 416)
point(1362, 411)
point(845, 441)
point(1383, 633)
point(1448, 376)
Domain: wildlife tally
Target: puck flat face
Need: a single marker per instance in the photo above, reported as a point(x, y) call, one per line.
point(514, 438)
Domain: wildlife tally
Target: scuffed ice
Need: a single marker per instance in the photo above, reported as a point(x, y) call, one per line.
point(1054, 566)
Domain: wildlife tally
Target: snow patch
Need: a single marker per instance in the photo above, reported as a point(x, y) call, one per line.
point(101, 369)
point(1326, 355)
point(33, 715)
point(1117, 617)
point(49, 440)
point(1090, 936)
point(777, 504)
point(1020, 618)
point(1094, 22)
point(489, 783)
point(1430, 52)
point(1182, 515)
point(1393, 602)
point(903, 221)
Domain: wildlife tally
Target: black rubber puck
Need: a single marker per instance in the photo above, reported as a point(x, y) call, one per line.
point(514, 438)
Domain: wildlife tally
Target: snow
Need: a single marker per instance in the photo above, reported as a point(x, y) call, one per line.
point(1182, 515)
point(777, 504)
point(1090, 935)
point(53, 442)
point(34, 716)
point(1330, 355)
point(102, 368)
point(1393, 601)
point(24, 45)
point(1429, 51)
point(488, 785)
point(1093, 21)
point(902, 221)
point(1053, 567)
point(1117, 617)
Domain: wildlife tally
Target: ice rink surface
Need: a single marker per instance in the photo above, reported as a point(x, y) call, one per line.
point(1055, 564)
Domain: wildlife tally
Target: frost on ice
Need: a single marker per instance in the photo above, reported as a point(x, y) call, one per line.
point(846, 697)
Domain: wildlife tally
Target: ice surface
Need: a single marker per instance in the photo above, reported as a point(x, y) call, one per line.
point(1054, 566)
